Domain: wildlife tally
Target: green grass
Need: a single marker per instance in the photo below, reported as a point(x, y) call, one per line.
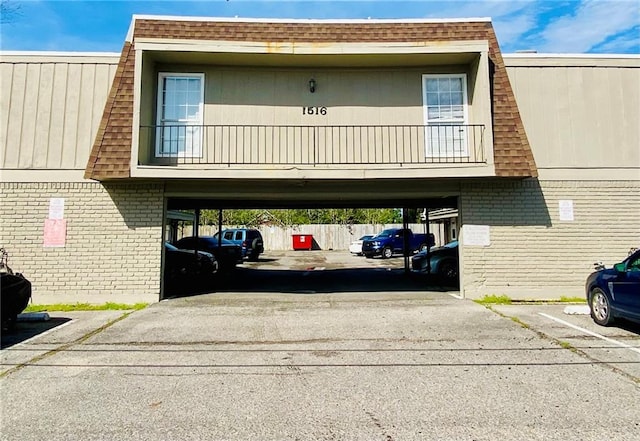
point(506, 300)
point(520, 322)
point(494, 300)
point(109, 306)
point(565, 345)
point(564, 299)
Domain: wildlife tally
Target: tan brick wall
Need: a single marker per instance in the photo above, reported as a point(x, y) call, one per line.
point(113, 242)
point(533, 254)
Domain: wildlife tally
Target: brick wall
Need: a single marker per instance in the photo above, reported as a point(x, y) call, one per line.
point(114, 234)
point(533, 254)
point(113, 241)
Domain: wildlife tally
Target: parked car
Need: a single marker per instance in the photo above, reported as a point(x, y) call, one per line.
point(391, 241)
point(614, 293)
point(249, 239)
point(15, 290)
point(356, 246)
point(443, 261)
point(184, 266)
point(228, 255)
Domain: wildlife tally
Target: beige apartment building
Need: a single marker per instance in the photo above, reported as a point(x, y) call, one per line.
point(540, 154)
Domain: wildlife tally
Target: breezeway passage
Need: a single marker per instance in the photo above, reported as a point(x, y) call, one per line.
point(183, 218)
point(350, 365)
point(322, 272)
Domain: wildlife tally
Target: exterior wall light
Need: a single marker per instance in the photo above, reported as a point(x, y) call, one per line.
point(312, 85)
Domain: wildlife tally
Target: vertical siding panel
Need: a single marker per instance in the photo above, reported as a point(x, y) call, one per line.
point(16, 111)
point(558, 85)
point(27, 137)
point(70, 130)
point(628, 97)
point(58, 100)
point(572, 97)
point(85, 114)
point(6, 78)
point(103, 79)
point(605, 117)
point(589, 115)
point(43, 116)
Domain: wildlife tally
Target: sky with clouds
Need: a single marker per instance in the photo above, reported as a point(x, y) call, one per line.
point(546, 26)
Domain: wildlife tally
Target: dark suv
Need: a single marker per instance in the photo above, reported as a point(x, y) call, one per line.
point(250, 241)
point(227, 255)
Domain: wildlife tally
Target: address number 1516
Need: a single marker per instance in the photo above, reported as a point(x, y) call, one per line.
point(314, 110)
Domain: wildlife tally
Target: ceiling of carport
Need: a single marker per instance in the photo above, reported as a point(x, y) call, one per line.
point(188, 203)
point(311, 194)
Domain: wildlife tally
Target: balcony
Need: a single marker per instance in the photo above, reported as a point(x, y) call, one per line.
point(273, 146)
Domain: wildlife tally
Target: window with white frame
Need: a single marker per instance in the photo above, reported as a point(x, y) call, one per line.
point(445, 110)
point(179, 114)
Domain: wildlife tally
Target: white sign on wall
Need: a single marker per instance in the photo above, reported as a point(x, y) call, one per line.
point(56, 208)
point(566, 210)
point(476, 235)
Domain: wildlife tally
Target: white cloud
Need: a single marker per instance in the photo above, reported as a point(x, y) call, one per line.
point(495, 9)
point(626, 43)
point(594, 22)
point(509, 30)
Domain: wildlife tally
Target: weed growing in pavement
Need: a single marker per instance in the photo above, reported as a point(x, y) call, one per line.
point(520, 322)
point(109, 306)
point(494, 300)
point(564, 299)
point(505, 300)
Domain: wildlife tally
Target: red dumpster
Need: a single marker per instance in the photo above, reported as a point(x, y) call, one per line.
point(302, 241)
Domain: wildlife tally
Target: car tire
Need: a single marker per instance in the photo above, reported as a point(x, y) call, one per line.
point(449, 271)
point(9, 324)
point(253, 257)
point(600, 307)
point(387, 253)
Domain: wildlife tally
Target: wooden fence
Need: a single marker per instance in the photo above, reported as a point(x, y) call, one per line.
point(326, 237)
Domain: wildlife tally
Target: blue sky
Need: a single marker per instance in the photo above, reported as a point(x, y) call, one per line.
point(547, 26)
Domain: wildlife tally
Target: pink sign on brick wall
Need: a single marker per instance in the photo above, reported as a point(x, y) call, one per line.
point(55, 232)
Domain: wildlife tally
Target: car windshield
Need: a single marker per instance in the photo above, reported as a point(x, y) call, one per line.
point(386, 233)
point(452, 244)
point(168, 246)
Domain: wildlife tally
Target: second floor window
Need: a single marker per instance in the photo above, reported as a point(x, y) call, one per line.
point(180, 108)
point(445, 108)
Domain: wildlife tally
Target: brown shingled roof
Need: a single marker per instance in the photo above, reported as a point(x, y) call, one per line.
point(111, 154)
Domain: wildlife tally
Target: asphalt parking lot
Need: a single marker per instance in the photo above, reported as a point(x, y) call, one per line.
point(310, 362)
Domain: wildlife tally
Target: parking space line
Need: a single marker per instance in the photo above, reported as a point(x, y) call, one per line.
point(594, 334)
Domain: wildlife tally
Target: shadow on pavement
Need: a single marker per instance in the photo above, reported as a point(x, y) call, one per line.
point(312, 281)
point(25, 330)
point(627, 326)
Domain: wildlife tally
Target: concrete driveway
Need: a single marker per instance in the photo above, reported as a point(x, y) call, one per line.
point(401, 365)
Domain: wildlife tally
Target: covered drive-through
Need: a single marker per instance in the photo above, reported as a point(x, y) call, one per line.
point(188, 208)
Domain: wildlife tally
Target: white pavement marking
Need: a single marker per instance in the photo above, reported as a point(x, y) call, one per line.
point(577, 310)
point(594, 334)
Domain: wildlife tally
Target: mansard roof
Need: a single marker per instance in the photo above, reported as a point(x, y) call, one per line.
point(110, 157)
